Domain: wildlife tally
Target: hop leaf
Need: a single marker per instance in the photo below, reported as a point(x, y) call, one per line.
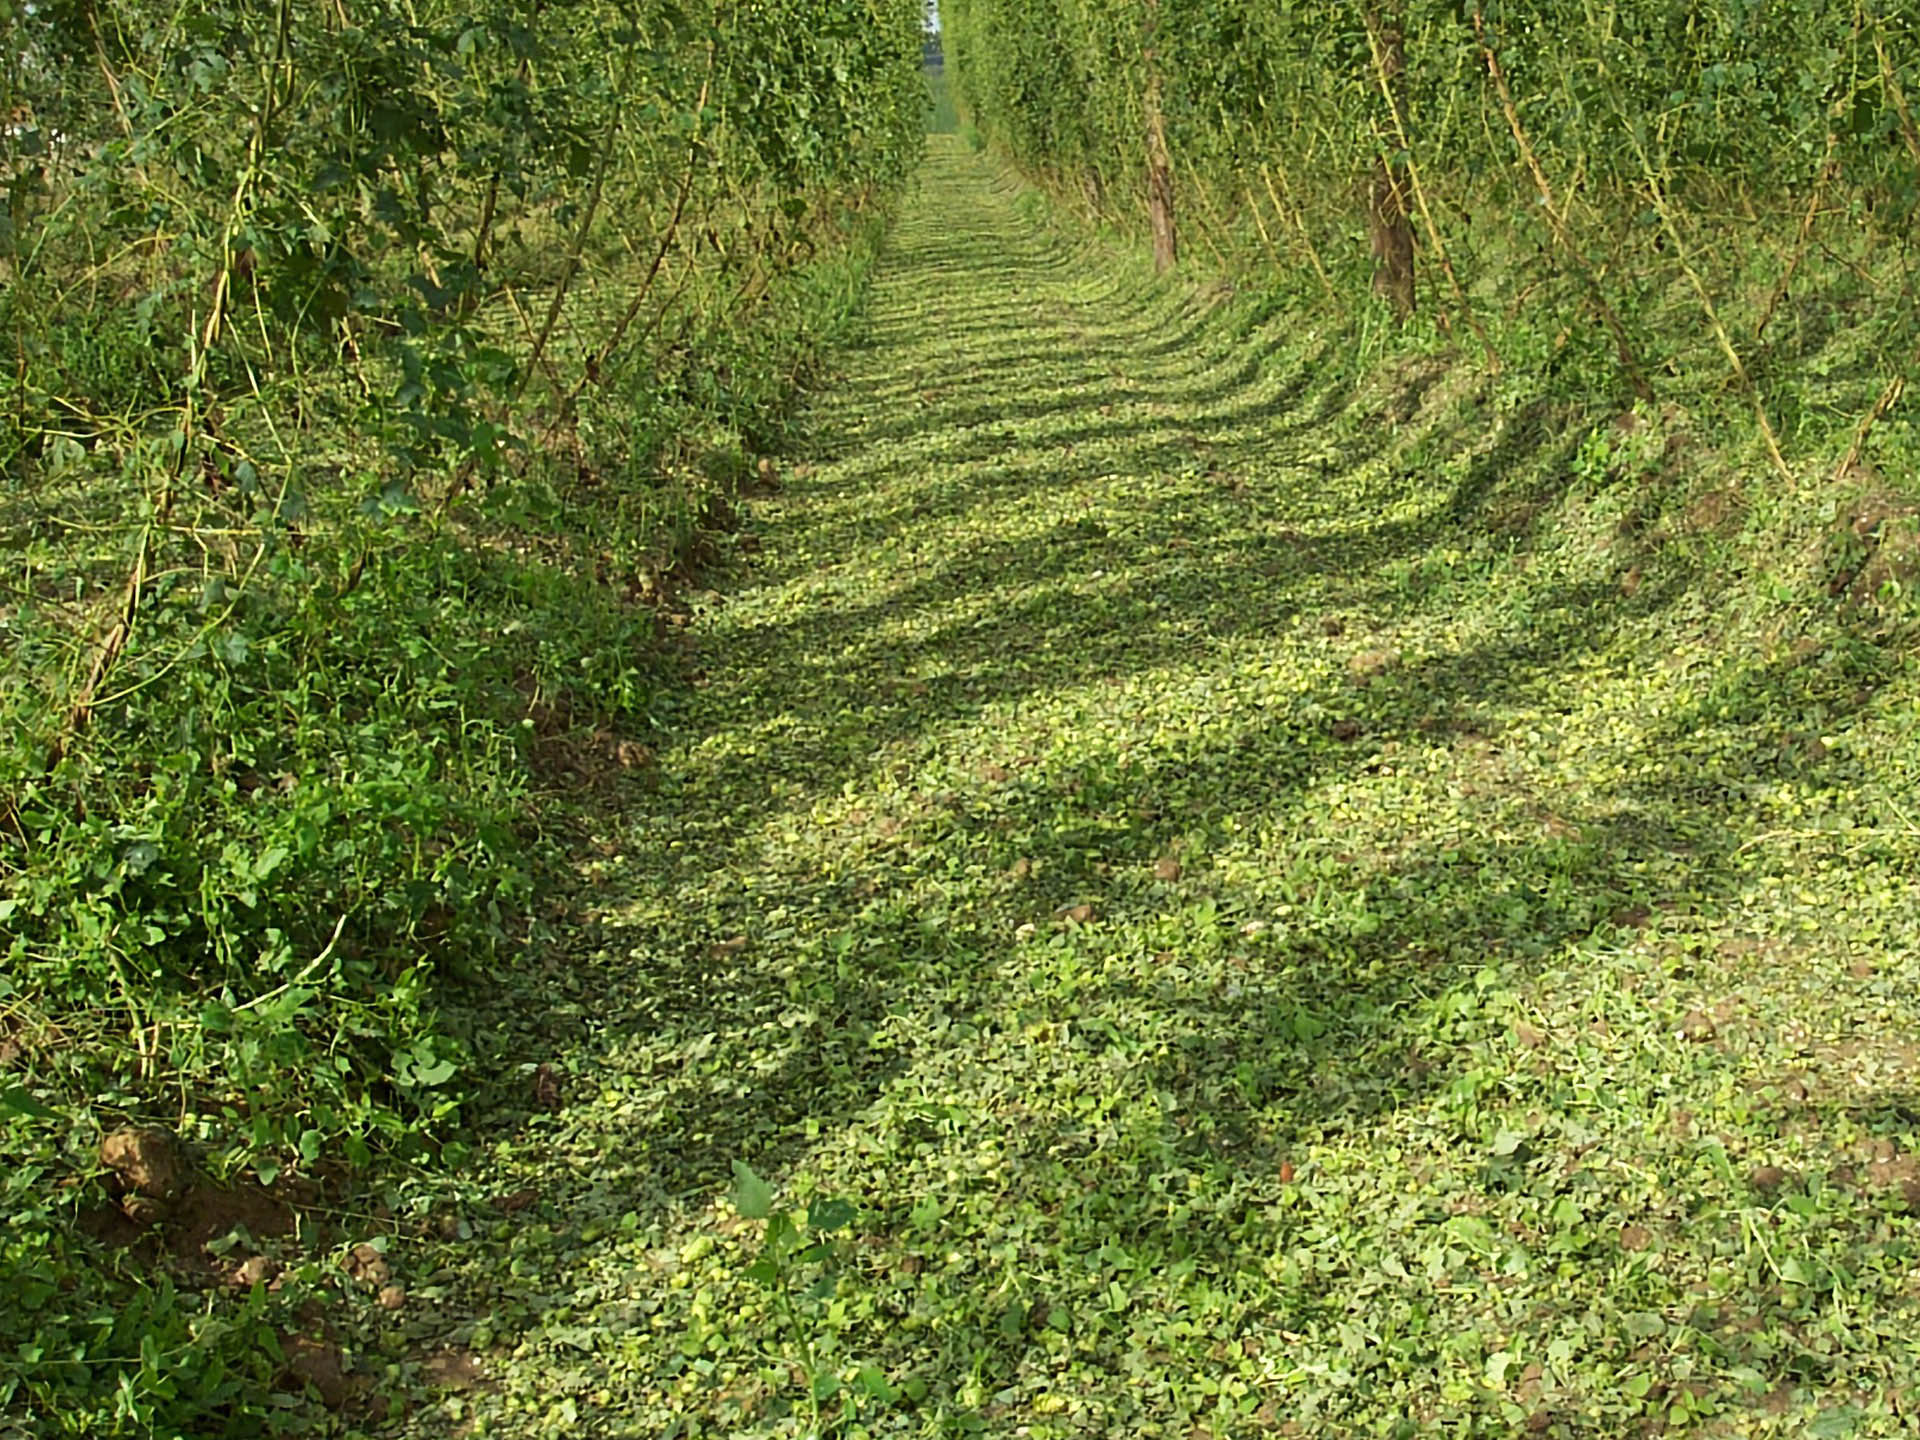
point(752, 1196)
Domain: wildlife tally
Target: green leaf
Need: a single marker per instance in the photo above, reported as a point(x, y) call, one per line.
point(783, 1236)
point(16, 1099)
point(752, 1196)
point(829, 1215)
point(874, 1381)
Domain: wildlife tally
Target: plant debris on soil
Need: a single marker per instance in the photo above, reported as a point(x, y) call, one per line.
point(1204, 891)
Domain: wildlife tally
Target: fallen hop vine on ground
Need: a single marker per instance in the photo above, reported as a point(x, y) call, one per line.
point(379, 375)
point(1213, 887)
point(1170, 857)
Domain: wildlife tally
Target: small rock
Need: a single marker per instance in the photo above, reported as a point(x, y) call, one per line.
point(1166, 869)
point(392, 1297)
point(1635, 1238)
point(255, 1270)
point(367, 1265)
point(1890, 1171)
point(453, 1370)
point(317, 1363)
point(1698, 1027)
point(547, 1092)
point(1767, 1178)
point(1861, 970)
point(1075, 914)
point(1528, 1036)
point(1368, 664)
point(147, 1160)
point(143, 1210)
point(1026, 931)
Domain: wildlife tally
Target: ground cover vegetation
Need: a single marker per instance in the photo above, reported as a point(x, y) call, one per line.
point(376, 373)
point(1289, 812)
point(1229, 875)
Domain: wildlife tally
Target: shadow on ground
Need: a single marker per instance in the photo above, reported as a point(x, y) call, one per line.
point(1148, 769)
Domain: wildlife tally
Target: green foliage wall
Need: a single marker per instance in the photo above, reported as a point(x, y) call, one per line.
point(1666, 183)
point(372, 367)
point(1746, 91)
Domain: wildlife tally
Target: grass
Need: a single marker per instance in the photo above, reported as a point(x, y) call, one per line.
point(1203, 886)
